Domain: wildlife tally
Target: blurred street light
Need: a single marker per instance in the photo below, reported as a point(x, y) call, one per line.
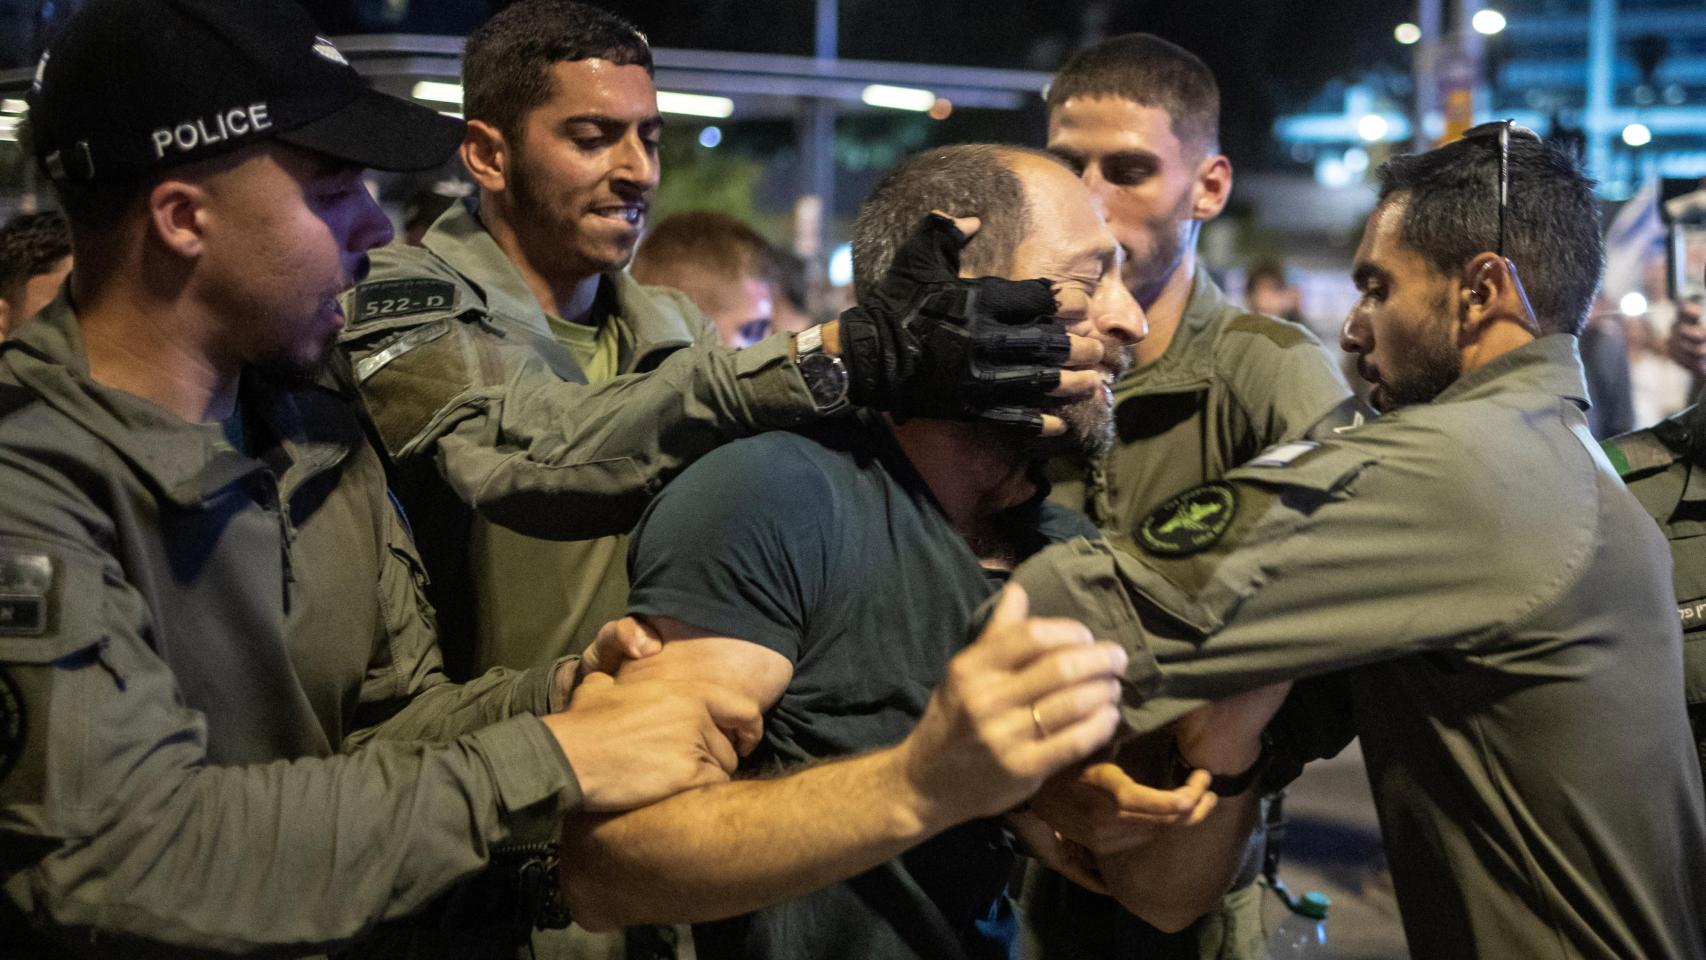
point(695, 105)
point(1488, 22)
point(437, 91)
point(841, 266)
point(1372, 127)
point(1637, 135)
point(898, 98)
point(710, 137)
point(1407, 33)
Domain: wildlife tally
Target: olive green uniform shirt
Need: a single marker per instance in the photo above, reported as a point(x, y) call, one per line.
point(1499, 610)
point(219, 686)
point(503, 452)
point(1230, 384)
point(1665, 468)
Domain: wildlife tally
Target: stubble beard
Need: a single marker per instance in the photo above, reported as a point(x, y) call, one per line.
point(1145, 276)
point(1090, 423)
point(1089, 420)
point(1434, 364)
point(537, 214)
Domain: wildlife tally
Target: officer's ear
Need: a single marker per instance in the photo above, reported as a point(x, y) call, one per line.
point(486, 154)
point(1490, 295)
point(1213, 187)
point(178, 214)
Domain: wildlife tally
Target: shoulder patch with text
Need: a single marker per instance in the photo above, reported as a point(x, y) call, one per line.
point(1192, 521)
point(389, 299)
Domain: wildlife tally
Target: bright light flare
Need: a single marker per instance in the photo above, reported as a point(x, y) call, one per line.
point(898, 98)
point(841, 266)
point(1407, 33)
point(695, 105)
point(1488, 22)
point(1372, 127)
point(1637, 135)
point(437, 91)
point(1633, 304)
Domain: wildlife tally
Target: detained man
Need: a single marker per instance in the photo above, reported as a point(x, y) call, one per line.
point(834, 575)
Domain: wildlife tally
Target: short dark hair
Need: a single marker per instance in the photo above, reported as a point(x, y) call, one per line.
point(966, 180)
point(715, 241)
point(1150, 72)
point(506, 64)
point(31, 244)
point(1552, 230)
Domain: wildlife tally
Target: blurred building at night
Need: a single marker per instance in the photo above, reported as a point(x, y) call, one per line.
point(785, 112)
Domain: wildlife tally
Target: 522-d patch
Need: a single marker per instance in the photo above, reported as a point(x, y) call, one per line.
point(1192, 521)
point(389, 299)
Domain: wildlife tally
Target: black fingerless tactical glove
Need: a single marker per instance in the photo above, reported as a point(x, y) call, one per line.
point(929, 344)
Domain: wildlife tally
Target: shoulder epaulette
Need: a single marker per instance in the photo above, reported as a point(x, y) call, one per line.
point(1638, 452)
point(1282, 333)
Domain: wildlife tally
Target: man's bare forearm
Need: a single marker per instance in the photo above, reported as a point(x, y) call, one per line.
point(732, 848)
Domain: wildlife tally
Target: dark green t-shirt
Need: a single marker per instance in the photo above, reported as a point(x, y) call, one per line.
point(830, 549)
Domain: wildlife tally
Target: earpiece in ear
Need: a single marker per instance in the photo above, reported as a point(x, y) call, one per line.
point(1475, 294)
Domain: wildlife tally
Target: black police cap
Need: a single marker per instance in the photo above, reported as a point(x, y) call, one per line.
point(130, 86)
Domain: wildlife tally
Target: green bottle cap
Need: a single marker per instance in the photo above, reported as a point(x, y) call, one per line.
point(1314, 904)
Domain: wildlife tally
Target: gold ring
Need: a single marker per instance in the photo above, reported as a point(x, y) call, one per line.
point(1037, 721)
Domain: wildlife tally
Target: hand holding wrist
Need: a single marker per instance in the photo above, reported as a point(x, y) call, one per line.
point(1230, 780)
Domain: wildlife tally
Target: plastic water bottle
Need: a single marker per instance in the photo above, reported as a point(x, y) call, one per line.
point(1302, 935)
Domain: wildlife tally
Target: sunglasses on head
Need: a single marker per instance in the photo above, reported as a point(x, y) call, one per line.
point(1499, 133)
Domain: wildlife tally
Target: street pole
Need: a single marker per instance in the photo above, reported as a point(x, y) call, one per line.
point(1426, 68)
point(814, 212)
point(1460, 75)
point(1602, 58)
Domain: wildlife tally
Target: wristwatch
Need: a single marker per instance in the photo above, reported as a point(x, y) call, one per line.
point(824, 373)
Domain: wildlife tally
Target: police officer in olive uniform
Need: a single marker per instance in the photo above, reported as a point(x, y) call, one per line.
point(223, 722)
point(1665, 468)
point(533, 394)
point(1492, 599)
point(1211, 386)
